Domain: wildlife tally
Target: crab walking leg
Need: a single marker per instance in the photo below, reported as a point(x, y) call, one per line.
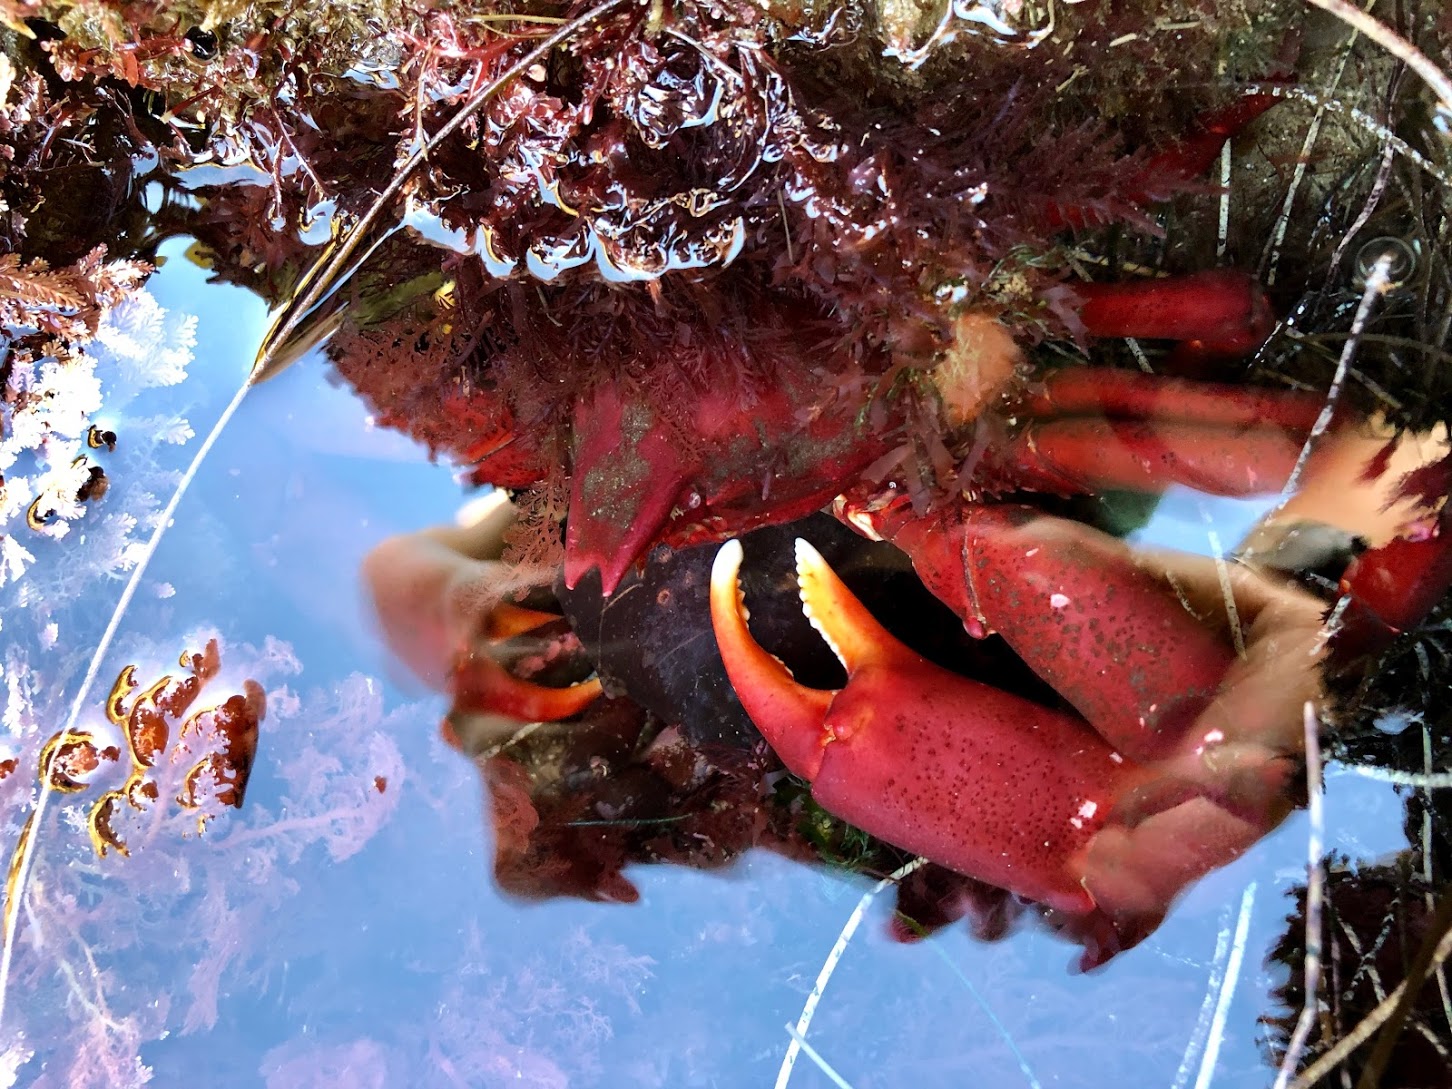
point(1084, 456)
point(1392, 588)
point(1089, 432)
point(1100, 392)
point(1117, 429)
point(1384, 489)
point(1221, 312)
point(1191, 155)
point(1187, 158)
point(973, 778)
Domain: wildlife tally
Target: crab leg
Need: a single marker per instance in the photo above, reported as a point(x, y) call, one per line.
point(796, 713)
point(1190, 157)
point(637, 477)
point(481, 685)
point(1101, 392)
point(1076, 457)
point(974, 778)
point(1201, 740)
point(1221, 312)
point(427, 589)
point(629, 472)
point(1118, 429)
point(1390, 589)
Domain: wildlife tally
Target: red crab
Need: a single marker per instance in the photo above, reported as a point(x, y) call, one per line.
point(1177, 754)
point(1181, 745)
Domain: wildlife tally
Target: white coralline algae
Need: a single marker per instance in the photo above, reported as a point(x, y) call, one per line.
point(55, 415)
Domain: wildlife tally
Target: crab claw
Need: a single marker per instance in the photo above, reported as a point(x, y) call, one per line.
point(483, 685)
point(762, 681)
point(973, 778)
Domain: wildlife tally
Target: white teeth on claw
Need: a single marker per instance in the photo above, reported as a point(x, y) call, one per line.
point(808, 558)
point(727, 567)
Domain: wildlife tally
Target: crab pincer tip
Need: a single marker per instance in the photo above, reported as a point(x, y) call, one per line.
point(789, 715)
point(854, 635)
point(728, 556)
